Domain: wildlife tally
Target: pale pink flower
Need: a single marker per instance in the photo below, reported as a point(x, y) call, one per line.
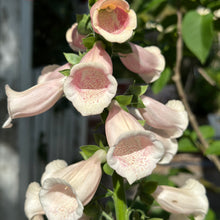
point(66, 189)
point(133, 151)
point(188, 200)
point(170, 149)
point(90, 85)
point(74, 38)
point(168, 120)
point(32, 207)
point(38, 98)
point(147, 62)
point(113, 19)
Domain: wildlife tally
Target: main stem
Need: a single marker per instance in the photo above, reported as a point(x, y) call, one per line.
point(119, 197)
point(177, 79)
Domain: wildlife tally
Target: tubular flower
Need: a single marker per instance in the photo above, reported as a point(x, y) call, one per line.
point(147, 62)
point(188, 200)
point(66, 189)
point(90, 85)
point(38, 98)
point(113, 19)
point(133, 151)
point(74, 38)
point(32, 206)
point(168, 120)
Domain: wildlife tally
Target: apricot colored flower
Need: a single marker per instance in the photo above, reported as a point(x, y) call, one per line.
point(168, 120)
point(133, 151)
point(38, 98)
point(147, 62)
point(75, 39)
point(65, 189)
point(113, 19)
point(90, 85)
point(188, 200)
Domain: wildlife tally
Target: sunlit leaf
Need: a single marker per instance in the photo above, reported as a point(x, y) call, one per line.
point(198, 33)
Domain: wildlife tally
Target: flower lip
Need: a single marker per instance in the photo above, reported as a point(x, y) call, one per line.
point(59, 200)
point(113, 20)
point(90, 88)
point(135, 154)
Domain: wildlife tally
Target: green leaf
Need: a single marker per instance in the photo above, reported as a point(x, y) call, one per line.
point(65, 72)
point(91, 3)
point(159, 84)
point(137, 90)
point(124, 99)
point(89, 41)
point(100, 140)
point(72, 58)
point(214, 148)
point(142, 122)
point(187, 145)
point(198, 33)
point(88, 150)
point(84, 24)
point(207, 131)
point(137, 102)
point(123, 48)
point(107, 169)
point(210, 215)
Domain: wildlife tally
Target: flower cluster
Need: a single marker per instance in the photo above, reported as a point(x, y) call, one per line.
point(133, 150)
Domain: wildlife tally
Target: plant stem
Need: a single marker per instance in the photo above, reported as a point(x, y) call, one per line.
point(119, 197)
point(177, 80)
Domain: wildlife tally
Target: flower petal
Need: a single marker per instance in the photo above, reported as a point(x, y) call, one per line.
point(74, 38)
point(60, 201)
point(170, 149)
point(135, 155)
point(168, 120)
point(118, 123)
point(188, 200)
point(89, 88)
point(32, 206)
point(51, 72)
point(113, 20)
point(51, 168)
point(33, 101)
point(148, 62)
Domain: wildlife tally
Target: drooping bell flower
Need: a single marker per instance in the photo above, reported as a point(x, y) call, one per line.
point(90, 85)
point(66, 189)
point(74, 38)
point(38, 98)
point(170, 145)
point(113, 19)
point(32, 207)
point(168, 120)
point(147, 62)
point(188, 200)
point(133, 151)
point(170, 149)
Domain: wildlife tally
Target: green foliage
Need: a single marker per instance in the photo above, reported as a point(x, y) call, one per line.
point(84, 24)
point(107, 169)
point(73, 58)
point(88, 150)
point(214, 148)
point(159, 84)
point(89, 41)
point(198, 33)
point(65, 72)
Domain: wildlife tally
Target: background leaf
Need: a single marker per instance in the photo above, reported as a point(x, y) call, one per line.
point(198, 33)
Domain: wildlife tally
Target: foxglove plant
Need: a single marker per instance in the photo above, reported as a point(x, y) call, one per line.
point(135, 143)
